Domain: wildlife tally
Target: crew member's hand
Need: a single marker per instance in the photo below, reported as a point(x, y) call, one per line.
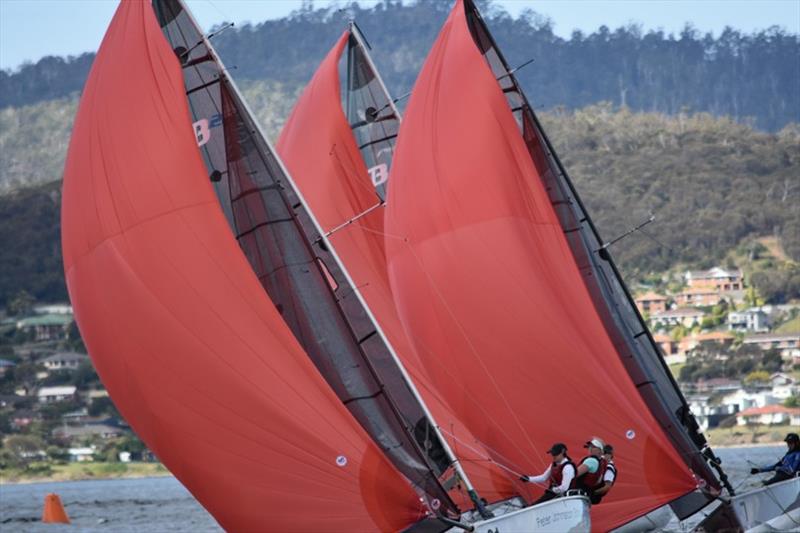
point(754, 471)
point(525, 479)
point(555, 490)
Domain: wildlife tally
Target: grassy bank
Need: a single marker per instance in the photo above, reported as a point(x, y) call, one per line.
point(43, 472)
point(747, 435)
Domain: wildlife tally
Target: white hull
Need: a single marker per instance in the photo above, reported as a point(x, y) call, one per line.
point(771, 508)
point(655, 520)
point(562, 515)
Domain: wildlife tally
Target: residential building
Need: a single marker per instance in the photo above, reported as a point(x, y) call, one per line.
point(104, 431)
point(47, 327)
point(753, 319)
point(787, 344)
point(22, 417)
point(668, 349)
point(784, 386)
point(719, 385)
point(743, 399)
point(56, 394)
point(686, 316)
point(81, 455)
point(709, 415)
point(769, 415)
point(64, 361)
point(698, 296)
point(717, 278)
point(53, 309)
point(651, 302)
point(712, 338)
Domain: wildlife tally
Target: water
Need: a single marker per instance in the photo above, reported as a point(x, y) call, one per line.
point(164, 504)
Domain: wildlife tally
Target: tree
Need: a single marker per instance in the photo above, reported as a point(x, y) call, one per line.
point(792, 401)
point(24, 449)
point(21, 304)
point(756, 377)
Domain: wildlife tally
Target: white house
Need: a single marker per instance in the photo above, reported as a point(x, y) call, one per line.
point(784, 386)
point(771, 414)
point(56, 394)
point(64, 361)
point(686, 316)
point(81, 455)
point(742, 399)
point(753, 319)
point(707, 414)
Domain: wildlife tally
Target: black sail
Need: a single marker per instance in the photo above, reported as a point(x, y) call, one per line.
point(293, 263)
point(625, 325)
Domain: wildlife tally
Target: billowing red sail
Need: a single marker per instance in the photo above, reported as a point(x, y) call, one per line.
point(485, 281)
point(191, 349)
point(318, 148)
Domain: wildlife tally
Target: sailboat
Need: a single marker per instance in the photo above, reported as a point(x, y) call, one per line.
point(218, 314)
point(497, 268)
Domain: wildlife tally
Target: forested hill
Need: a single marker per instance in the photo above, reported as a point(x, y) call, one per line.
point(713, 184)
point(744, 76)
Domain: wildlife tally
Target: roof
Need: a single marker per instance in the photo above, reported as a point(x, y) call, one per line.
point(65, 390)
point(651, 296)
point(713, 336)
point(771, 337)
point(88, 429)
point(45, 320)
point(65, 356)
point(684, 311)
point(713, 273)
point(770, 410)
point(660, 337)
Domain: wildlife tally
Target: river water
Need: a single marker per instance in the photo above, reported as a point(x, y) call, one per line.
point(161, 504)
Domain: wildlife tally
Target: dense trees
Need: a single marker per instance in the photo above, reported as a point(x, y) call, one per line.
point(735, 74)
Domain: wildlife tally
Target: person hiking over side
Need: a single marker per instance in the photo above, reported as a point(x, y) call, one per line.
point(610, 474)
point(590, 471)
point(558, 476)
point(789, 465)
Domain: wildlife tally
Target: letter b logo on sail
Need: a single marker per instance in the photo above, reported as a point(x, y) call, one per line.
point(379, 174)
point(201, 131)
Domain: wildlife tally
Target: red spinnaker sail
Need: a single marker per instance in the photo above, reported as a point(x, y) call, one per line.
point(484, 279)
point(193, 353)
point(319, 150)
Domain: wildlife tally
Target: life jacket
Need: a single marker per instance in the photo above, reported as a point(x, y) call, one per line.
point(557, 472)
point(591, 481)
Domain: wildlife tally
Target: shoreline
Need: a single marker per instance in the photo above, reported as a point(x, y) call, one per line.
point(85, 472)
point(747, 445)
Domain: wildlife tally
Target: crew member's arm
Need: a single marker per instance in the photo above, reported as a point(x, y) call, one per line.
point(541, 478)
point(567, 475)
point(589, 465)
point(608, 481)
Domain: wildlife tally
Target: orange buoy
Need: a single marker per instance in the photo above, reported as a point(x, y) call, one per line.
point(54, 512)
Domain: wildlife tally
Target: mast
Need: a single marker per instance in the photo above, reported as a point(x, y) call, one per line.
point(612, 297)
point(355, 31)
point(300, 209)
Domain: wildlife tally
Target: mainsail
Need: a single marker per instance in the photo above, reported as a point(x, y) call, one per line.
point(297, 269)
point(327, 152)
point(193, 353)
point(484, 276)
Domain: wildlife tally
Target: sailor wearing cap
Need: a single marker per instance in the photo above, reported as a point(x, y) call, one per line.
point(558, 475)
point(590, 471)
point(789, 465)
point(610, 475)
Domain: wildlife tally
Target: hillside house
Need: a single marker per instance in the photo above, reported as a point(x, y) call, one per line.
point(670, 318)
point(769, 415)
point(743, 399)
point(53, 309)
point(784, 386)
point(698, 296)
point(787, 344)
point(64, 361)
point(718, 339)
point(719, 279)
point(709, 415)
point(47, 327)
point(651, 302)
point(753, 319)
point(81, 455)
point(56, 394)
point(104, 431)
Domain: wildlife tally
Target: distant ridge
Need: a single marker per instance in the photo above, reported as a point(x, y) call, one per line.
point(744, 76)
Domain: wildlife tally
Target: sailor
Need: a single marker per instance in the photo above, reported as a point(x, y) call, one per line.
point(789, 465)
point(591, 469)
point(610, 474)
point(558, 475)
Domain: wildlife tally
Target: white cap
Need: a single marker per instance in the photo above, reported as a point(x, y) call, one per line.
point(596, 442)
